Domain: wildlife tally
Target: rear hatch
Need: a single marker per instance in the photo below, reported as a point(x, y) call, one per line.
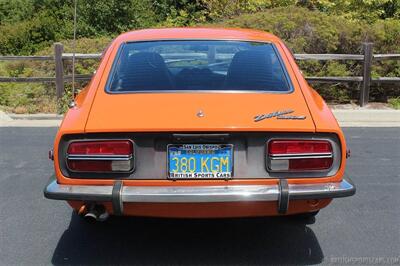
point(180, 112)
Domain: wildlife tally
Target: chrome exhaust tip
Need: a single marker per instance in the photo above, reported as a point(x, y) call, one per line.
point(90, 217)
point(96, 213)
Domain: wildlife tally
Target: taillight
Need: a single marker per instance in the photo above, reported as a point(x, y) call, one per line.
point(299, 155)
point(100, 156)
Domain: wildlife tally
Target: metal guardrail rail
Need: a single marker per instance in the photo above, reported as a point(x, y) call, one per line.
point(367, 59)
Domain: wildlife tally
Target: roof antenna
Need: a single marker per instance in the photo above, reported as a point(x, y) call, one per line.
point(73, 104)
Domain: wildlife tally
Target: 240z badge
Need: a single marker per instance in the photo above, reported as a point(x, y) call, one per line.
point(279, 115)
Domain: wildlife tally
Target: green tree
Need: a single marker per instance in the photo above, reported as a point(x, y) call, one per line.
point(15, 11)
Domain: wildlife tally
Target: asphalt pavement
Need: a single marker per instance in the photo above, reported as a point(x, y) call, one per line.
point(363, 229)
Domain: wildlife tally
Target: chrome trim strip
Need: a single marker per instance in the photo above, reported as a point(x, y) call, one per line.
point(197, 194)
point(199, 91)
point(71, 192)
point(305, 156)
point(323, 190)
point(201, 194)
point(83, 157)
point(301, 154)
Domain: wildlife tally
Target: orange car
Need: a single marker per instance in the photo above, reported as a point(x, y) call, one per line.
point(198, 122)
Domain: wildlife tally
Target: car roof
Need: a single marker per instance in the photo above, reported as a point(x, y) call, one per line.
point(197, 33)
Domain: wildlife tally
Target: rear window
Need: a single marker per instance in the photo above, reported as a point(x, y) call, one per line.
point(197, 65)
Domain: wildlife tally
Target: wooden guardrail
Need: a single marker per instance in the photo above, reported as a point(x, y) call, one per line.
point(367, 58)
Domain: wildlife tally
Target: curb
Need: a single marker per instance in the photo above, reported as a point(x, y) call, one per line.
point(35, 116)
point(367, 117)
point(4, 117)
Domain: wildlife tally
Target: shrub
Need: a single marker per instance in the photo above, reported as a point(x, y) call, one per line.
point(307, 31)
point(395, 102)
point(33, 98)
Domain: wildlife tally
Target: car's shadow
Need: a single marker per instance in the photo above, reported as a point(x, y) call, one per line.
point(130, 240)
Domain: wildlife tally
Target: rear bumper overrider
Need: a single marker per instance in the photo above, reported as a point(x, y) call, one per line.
point(119, 194)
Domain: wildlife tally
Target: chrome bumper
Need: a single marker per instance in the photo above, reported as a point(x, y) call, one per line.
point(119, 194)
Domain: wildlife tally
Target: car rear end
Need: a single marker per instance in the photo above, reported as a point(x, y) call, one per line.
point(198, 128)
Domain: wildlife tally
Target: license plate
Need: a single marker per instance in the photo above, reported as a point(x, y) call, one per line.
point(200, 161)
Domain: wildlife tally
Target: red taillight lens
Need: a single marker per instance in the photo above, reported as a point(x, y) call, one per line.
point(299, 146)
point(100, 156)
point(90, 166)
point(310, 164)
point(299, 155)
point(111, 147)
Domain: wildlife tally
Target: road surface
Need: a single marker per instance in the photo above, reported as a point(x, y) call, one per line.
point(363, 229)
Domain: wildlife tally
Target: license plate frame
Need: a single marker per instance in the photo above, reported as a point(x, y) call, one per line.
point(198, 175)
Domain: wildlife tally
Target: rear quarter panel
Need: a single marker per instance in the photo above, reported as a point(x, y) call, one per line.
point(323, 117)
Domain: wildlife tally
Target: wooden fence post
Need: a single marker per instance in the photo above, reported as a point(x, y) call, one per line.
point(58, 51)
point(367, 63)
